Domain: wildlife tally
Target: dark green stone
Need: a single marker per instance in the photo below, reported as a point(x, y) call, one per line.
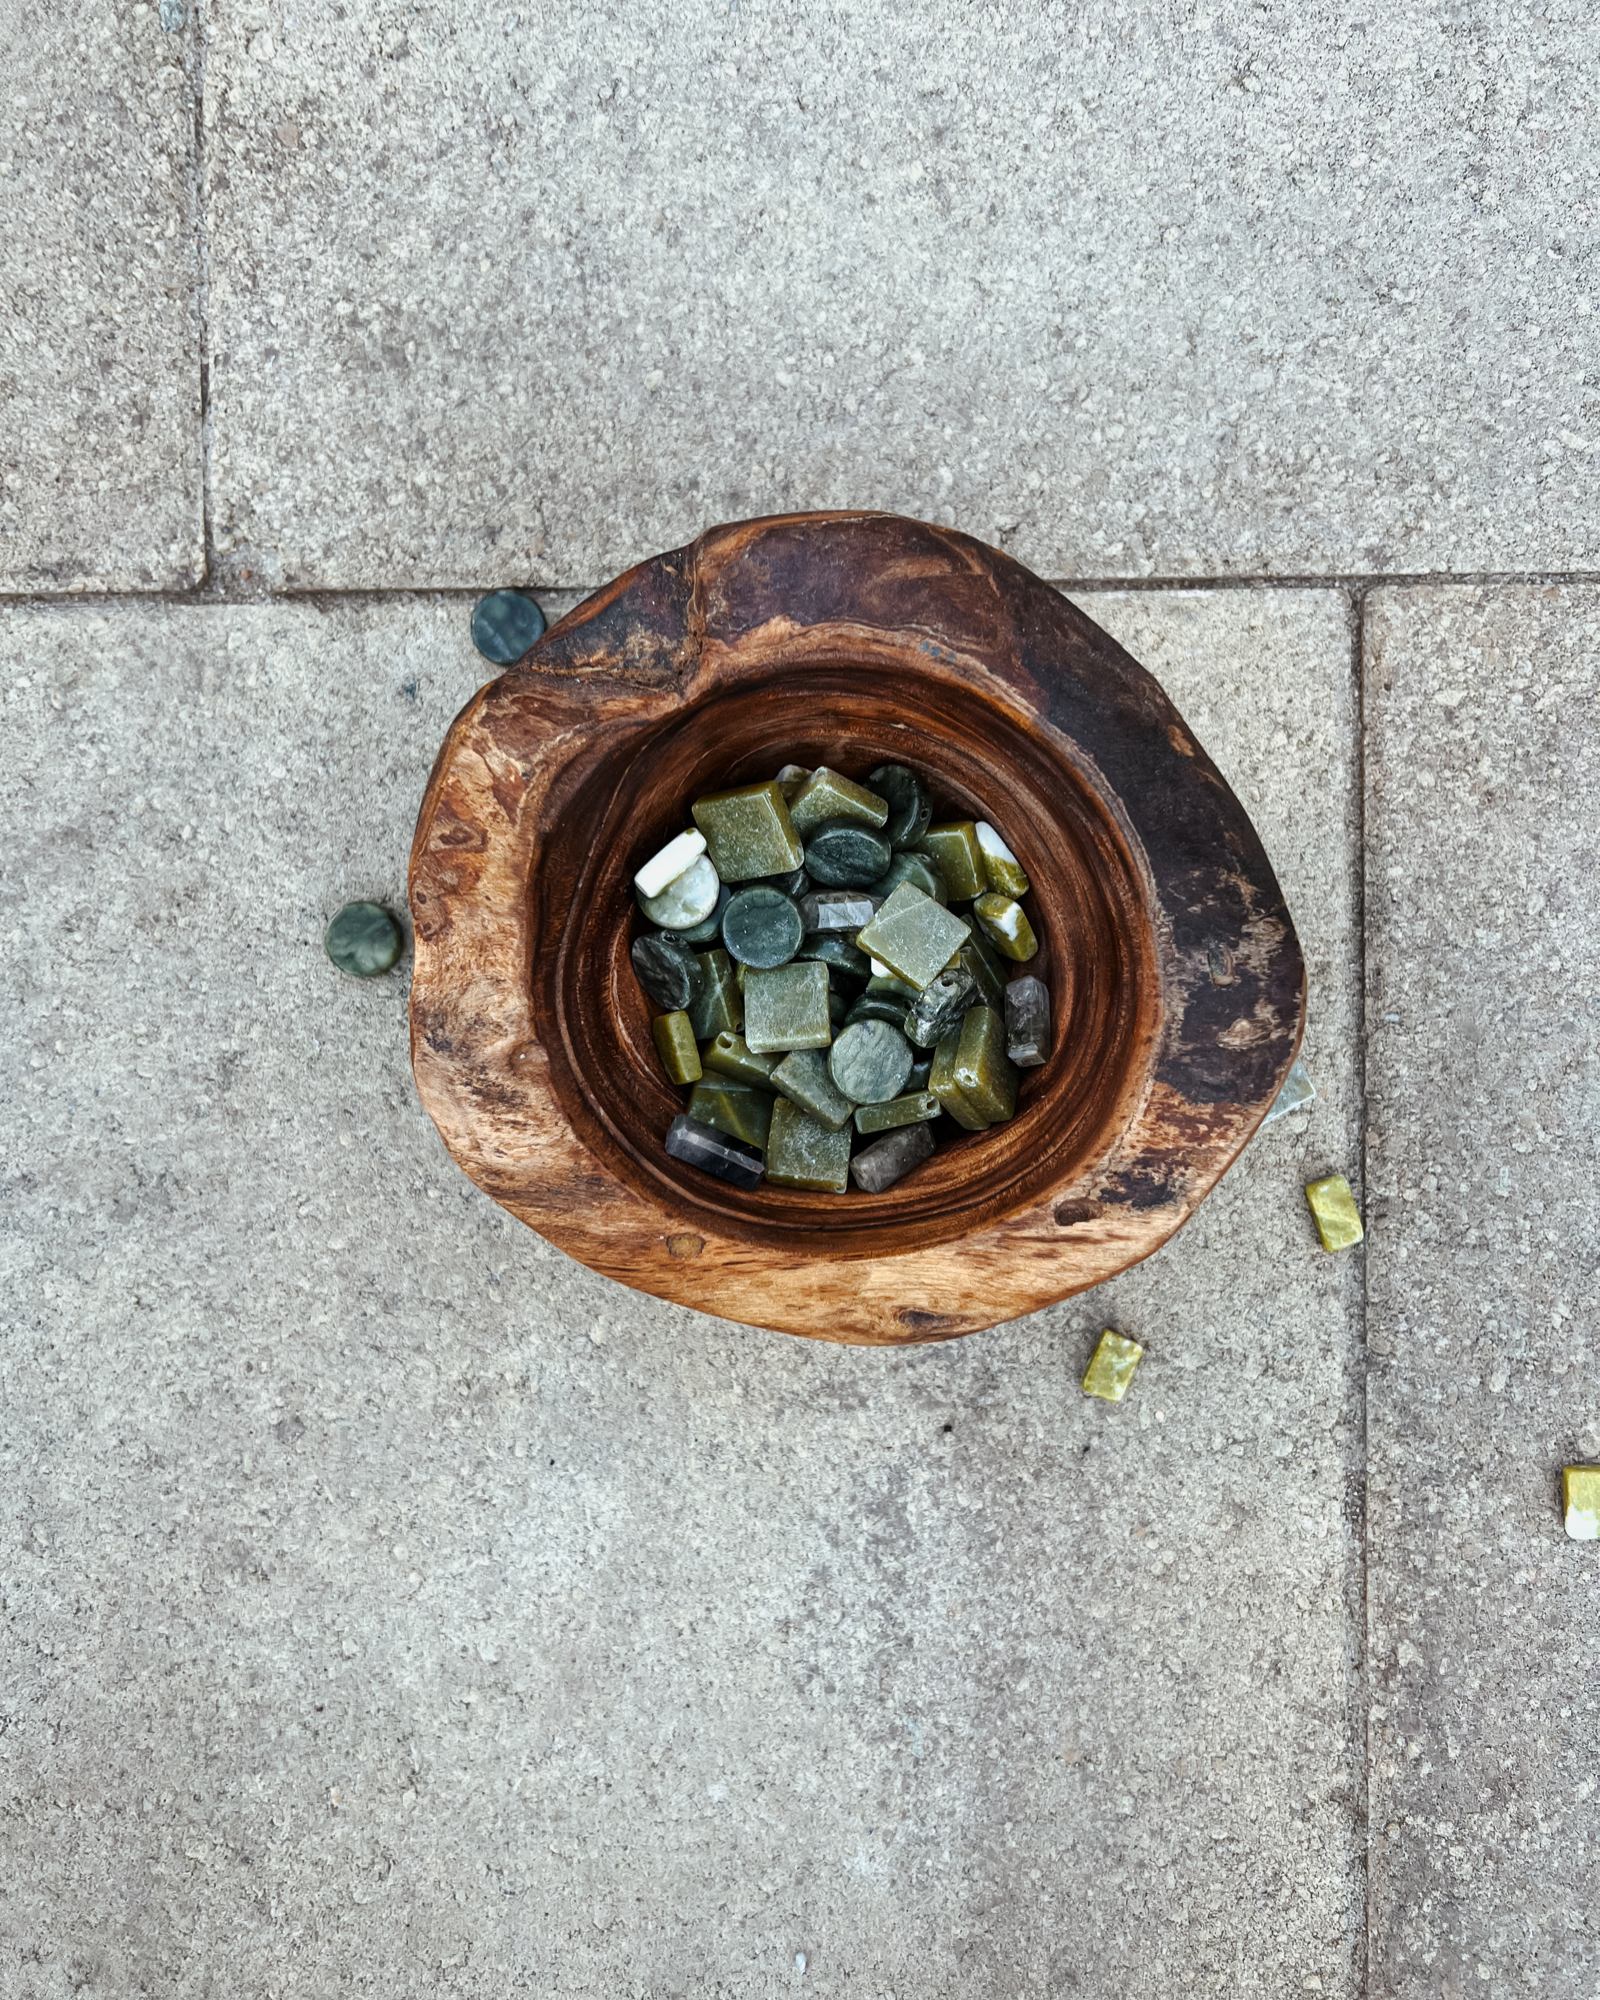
point(889, 986)
point(920, 1071)
point(735, 1108)
point(839, 955)
point(921, 871)
point(940, 1006)
point(505, 624)
point(709, 929)
point(910, 807)
point(892, 1011)
point(870, 1062)
point(844, 855)
point(666, 968)
point(762, 927)
point(363, 940)
point(716, 1007)
point(795, 883)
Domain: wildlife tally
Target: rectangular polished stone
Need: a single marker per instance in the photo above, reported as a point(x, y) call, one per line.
point(804, 1079)
point(787, 1008)
point(981, 1068)
point(801, 1153)
point(1334, 1211)
point(717, 1007)
point(739, 1109)
point(953, 844)
point(913, 1107)
point(730, 1055)
point(1112, 1366)
point(939, 1007)
point(891, 1158)
point(913, 935)
point(1001, 868)
point(942, 1082)
point(976, 958)
point(826, 911)
point(713, 1152)
point(1027, 1003)
point(749, 832)
point(825, 795)
point(1005, 924)
point(675, 1044)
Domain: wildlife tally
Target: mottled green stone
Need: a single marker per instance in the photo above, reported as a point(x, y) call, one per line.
point(791, 778)
point(920, 870)
point(666, 968)
point(867, 1009)
point(1110, 1372)
point(842, 854)
point(942, 1082)
point(717, 1008)
point(1002, 871)
point(920, 1072)
point(738, 1109)
point(825, 795)
point(749, 832)
point(762, 927)
point(910, 1108)
point(796, 883)
point(953, 844)
point(914, 936)
point(906, 796)
point(940, 1006)
point(890, 986)
point(787, 1008)
point(1005, 925)
point(976, 957)
point(674, 1036)
point(870, 1061)
point(363, 940)
point(1333, 1209)
point(838, 1006)
point(839, 955)
point(730, 1055)
point(803, 1154)
point(803, 1078)
point(686, 902)
point(981, 1069)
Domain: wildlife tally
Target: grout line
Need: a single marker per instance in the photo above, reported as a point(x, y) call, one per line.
point(202, 239)
point(1362, 1689)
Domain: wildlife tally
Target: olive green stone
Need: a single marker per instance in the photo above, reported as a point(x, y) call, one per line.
point(953, 844)
point(787, 1008)
point(825, 795)
point(870, 1061)
point(842, 854)
point(866, 1009)
point(920, 870)
point(981, 1069)
point(1110, 1372)
point(914, 936)
point(803, 1078)
point(1002, 871)
point(717, 1008)
point(674, 1035)
point(911, 1108)
point(803, 1154)
point(839, 955)
point(709, 929)
point(791, 778)
point(738, 1109)
point(762, 927)
point(687, 901)
point(942, 1082)
point(1005, 925)
point(940, 1006)
point(906, 796)
point(749, 832)
point(729, 1055)
point(363, 940)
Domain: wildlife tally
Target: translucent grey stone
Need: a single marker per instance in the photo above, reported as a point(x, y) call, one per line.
point(714, 1152)
point(1298, 1091)
point(891, 1158)
point(1028, 1022)
point(939, 1006)
point(843, 910)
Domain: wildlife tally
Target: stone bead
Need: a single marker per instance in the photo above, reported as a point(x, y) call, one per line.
point(803, 1078)
point(796, 883)
point(749, 832)
point(825, 795)
point(803, 1154)
point(940, 1006)
point(841, 956)
point(911, 1107)
point(920, 870)
point(738, 1109)
point(1028, 1021)
point(953, 845)
point(942, 1082)
point(976, 957)
point(1580, 1502)
point(981, 1068)
point(666, 968)
point(730, 1055)
point(674, 1036)
point(889, 986)
point(891, 1158)
point(1334, 1211)
point(1005, 925)
point(686, 902)
point(363, 940)
point(714, 1152)
point(762, 927)
point(870, 1061)
point(791, 778)
point(842, 854)
point(844, 910)
point(505, 624)
point(1110, 1372)
point(716, 1008)
point(661, 869)
point(910, 808)
point(787, 1008)
point(914, 936)
point(1002, 871)
point(883, 1009)
point(838, 1007)
point(709, 929)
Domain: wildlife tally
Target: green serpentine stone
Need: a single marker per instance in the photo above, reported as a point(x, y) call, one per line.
point(906, 796)
point(787, 1008)
point(844, 855)
point(717, 1008)
point(914, 936)
point(749, 832)
point(953, 844)
point(735, 1108)
point(920, 870)
point(729, 1055)
point(674, 1037)
point(363, 940)
point(803, 1154)
point(762, 927)
point(870, 1061)
point(981, 1069)
point(1006, 926)
point(825, 795)
point(911, 1108)
point(803, 1078)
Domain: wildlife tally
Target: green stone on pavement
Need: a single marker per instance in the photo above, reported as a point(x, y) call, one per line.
point(1002, 870)
point(981, 1069)
point(839, 955)
point(953, 845)
point(738, 1109)
point(363, 940)
point(749, 832)
point(675, 1045)
point(942, 1082)
point(803, 1154)
point(717, 1008)
point(787, 1008)
point(762, 927)
point(803, 1078)
point(1111, 1367)
point(1005, 924)
point(920, 870)
point(940, 1006)
point(870, 1061)
point(709, 929)
point(1333, 1209)
point(842, 854)
point(1580, 1502)
point(910, 807)
point(686, 902)
point(506, 622)
point(825, 795)
point(914, 936)
point(910, 1108)
point(729, 1055)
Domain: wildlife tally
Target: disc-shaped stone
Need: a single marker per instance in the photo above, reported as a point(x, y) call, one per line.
point(686, 902)
point(920, 870)
point(363, 940)
point(842, 958)
point(505, 624)
point(762, 927)
point(844, 855)
point(709, 929)
point(666, 968)
point(870, 1062)
point(910, 808)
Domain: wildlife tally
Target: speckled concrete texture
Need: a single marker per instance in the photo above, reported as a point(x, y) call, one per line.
point(1130, 291)
point(1484, 1030)
point(99, 300)
point(394, 1606)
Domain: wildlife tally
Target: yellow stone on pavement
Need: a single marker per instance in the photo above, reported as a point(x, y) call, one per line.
point(1334, 1211)
point(1580, 1502)
point(1110, 1372)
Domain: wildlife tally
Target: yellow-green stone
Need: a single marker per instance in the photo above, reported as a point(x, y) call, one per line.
point(953, 844)
point(674, 1035)
point(1001, 868)
point(738, 1109)
point(803, 1154)
point(787, 1008)
point(1110, 1372)
point(825, 795)
point(1005, 925)
point(748, 832)
point(717, 1008)
point(981, 1068)
point(1580, 1502)
point(914, 936)
point(942, 1082)
point(1334, 1211)
point(803, 1078)
point(729, 1055)
point(914, 1108)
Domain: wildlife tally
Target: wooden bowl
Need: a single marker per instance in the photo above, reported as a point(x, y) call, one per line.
point(850, 640)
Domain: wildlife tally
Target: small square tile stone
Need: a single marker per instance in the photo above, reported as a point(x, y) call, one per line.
point(748, 832)
point(914, 936)
point(801, 1153)
point(787, 1008)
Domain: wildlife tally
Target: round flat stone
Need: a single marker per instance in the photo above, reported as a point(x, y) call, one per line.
point(920, 872)
point(910, 807)
point(762, 927)
point(505, 624)
point(842, 854)
point(686, 902)
point(795, 883)
point(835, 951)
point(666, 968)
point(709, 929)
point(870, 1061)
point(363, 940)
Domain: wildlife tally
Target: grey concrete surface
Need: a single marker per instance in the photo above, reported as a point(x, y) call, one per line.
point(1484, 1068)
point(1132, 291)
point(99, 300)
point(397, 1607)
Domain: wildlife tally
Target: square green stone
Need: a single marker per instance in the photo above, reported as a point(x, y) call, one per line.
point(981, 1069)
point(716, 1007)
point(738, 1109)
point(749, 832)
point(788, 1008)
point(1109, 1374)
point(804, 1079)
point(913, 935)
point(803, 1154)
point(953, 844)
point(825, 795)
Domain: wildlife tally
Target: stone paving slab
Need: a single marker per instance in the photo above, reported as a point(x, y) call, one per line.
point(99, 327)
point(1483, 1013)
point(397, 1605)
point(502, 297)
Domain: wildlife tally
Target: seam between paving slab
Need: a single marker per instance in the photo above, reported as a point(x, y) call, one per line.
point(1361, 1691)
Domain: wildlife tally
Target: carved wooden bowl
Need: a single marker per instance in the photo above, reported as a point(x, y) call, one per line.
point(851, 640)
